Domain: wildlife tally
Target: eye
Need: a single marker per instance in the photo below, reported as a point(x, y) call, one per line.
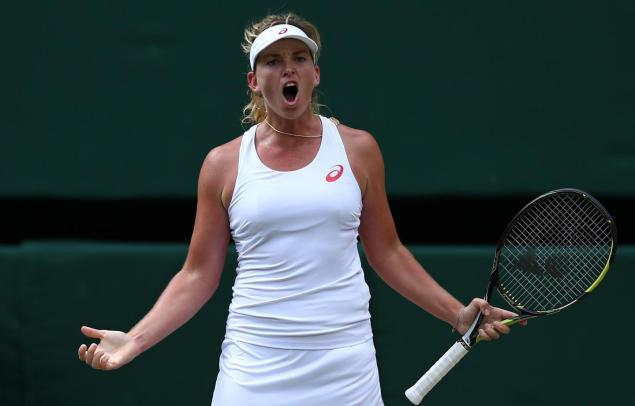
point(301, 58)
point(271, 62)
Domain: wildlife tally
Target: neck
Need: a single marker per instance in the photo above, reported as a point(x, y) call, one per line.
point(296, 128)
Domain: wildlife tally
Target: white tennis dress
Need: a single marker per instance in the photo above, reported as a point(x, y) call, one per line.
point(298, 330)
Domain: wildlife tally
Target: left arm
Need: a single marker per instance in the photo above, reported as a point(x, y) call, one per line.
point(392, 261)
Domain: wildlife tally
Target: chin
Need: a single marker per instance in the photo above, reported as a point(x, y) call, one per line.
point(293, 111)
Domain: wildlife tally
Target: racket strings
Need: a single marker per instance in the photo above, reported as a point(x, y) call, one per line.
point(533, 263)
point(539, 294)
point(554, 252)
point(548, 252)
point(580, 238)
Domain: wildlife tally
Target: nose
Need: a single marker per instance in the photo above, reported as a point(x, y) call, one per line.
point(289, 69)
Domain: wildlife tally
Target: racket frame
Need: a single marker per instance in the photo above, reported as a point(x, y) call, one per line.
point(416, 393)
point(525, 313)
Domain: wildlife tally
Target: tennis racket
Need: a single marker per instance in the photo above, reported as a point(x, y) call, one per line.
point(554, 252)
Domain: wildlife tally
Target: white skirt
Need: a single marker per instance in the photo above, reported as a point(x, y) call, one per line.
point(261, 376)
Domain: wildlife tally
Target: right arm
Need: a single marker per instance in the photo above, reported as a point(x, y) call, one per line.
point(193, 285)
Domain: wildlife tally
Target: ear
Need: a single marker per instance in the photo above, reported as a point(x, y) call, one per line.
point(252, 82)
point(316, 80)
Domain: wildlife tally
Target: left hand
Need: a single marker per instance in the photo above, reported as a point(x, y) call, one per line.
point(491, 327)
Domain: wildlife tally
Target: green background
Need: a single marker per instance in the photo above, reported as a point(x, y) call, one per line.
point(122, 100)
point(51, 289)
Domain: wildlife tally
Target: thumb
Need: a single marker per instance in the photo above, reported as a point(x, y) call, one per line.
point(92, 332)
point(482, 305)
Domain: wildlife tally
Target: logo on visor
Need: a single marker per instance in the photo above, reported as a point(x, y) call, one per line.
point(282, 31)
point(335, 173)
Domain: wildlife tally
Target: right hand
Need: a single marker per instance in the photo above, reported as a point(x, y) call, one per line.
point(491, 326)
point(115, 349)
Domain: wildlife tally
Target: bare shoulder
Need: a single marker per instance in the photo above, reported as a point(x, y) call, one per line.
point(363, 154)
point(356, 140)
point(219, 171)
point(223, 155)
point(361, 147)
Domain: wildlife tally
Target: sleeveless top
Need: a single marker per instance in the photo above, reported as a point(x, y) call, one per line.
point(299, 281)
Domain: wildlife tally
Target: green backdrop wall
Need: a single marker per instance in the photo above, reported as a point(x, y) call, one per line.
point(120, 99)
point(48, 290)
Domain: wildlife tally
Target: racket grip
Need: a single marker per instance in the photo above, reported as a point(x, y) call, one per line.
point(452, 356)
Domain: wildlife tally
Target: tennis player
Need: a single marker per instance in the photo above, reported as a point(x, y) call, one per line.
point(294, 192)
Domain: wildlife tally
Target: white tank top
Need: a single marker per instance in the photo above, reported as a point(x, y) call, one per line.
point(299, 282)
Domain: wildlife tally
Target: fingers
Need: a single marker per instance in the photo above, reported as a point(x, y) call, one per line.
point(506, 314)
point(82, 352)
point(103, 364)
point(492, 325)
point(488, 333)
point(501, 328)
point(493, 331)
point(482, 305)
point(97, 359)
point(90, 354)
point(98, 355)
point(92, 332)
point(93, 357)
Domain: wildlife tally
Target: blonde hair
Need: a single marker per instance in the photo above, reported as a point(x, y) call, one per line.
point(255, 112)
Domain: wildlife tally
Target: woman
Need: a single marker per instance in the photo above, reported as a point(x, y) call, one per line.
point(294, 191)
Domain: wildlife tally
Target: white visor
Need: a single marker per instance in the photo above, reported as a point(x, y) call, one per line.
point(276, 33)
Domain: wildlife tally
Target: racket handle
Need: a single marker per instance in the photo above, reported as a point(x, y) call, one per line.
point(452, 356)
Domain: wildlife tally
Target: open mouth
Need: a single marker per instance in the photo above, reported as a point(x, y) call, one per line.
point(290, 92)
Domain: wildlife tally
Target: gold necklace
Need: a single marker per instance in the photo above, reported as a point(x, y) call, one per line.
point(291, 134)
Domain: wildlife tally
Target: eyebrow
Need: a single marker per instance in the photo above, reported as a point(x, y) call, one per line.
point(276, 54)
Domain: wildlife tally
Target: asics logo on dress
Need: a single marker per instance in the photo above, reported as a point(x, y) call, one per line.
point(335, 172)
